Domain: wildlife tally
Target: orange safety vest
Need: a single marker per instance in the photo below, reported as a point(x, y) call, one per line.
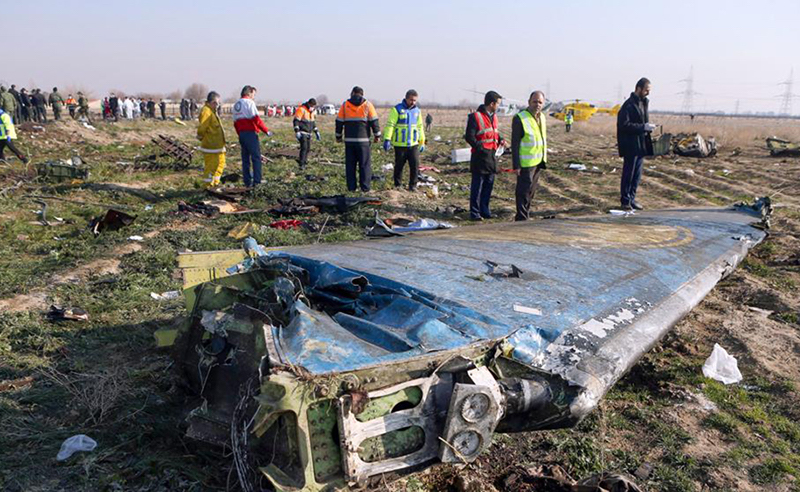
point(487, 135)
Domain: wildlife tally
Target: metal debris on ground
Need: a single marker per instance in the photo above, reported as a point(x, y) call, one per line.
point(174, 155)
point(166, 296)
point(15, 384)
point(329, 204)
point(135, 238)
point(694, 145)
point(242, 231)
point(782, 148)
point(229, 193)
point(111, 221)
point(67, 314)
point(63, 170)
point(370, 360)
point(212, 208)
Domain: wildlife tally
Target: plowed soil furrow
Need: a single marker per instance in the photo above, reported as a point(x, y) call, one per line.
point(570, 188)
point(724, 185)
point(681, 183)
point(545, 191)
point(675, 193)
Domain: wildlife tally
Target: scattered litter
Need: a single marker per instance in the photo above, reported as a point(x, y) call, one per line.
point(166, 296)
point(287, 224)
point(176, 120)
point(67, 314)
point(502, 271)
point(430, 168)
point(148, 207)
point(111, 221)
point(576, 167)
point(621, 212)
point(328, 204)
point(75, 444)
point(544, 477)
point(380, 228)
point(396, 226)
point(229, 193)
point(387, 167)
point(722, 367)
point(527, 310)
point(135, 238)
point(211, 208)
point(437, 138)
point(690, 172)
point(478, 278)
point(765, 312)
point(242, 231)
point(461, 155)
point(432, 192)
point(500, 151)
point(15, 384)
point(90, 127)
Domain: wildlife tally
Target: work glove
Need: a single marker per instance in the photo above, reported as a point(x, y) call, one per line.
point(316, 132)
point(269, 133)
point(338, 139)
point(649, 127)
point(387, 145)
point(298, 135)
point(421, 149)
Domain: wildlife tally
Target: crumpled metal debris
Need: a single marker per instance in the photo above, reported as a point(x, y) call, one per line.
point(67, 314)
point(111, 221)
point(694, 145)
point(330, 204)
point(782, 148)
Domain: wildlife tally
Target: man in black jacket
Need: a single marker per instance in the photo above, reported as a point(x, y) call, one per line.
point(483, 136)
point(634, 142)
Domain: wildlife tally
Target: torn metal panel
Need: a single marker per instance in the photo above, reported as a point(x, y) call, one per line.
point(361, 332)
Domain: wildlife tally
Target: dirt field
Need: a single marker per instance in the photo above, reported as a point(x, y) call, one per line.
point(664, 422)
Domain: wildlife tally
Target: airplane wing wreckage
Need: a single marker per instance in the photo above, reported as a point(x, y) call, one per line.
point(322, 366)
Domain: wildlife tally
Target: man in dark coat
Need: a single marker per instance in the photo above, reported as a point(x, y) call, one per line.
point(484, 138)
point(113, 103)
point(634, 142)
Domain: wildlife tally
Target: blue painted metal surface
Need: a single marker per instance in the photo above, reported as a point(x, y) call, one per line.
point(591, 278)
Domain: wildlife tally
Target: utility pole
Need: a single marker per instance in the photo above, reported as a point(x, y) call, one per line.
point(786, 97)
point(688, 93)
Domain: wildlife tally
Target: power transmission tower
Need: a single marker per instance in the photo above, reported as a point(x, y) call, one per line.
point(787, 96)
point(688, 93)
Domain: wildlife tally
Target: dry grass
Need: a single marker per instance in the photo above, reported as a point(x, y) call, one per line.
point(97, 394)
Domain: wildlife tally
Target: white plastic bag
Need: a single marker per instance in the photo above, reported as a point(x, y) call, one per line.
point(74, 444)
point(722, 366)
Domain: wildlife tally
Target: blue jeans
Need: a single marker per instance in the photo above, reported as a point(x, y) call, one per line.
point(480, 191)
point(251, 154)
point(631, 174)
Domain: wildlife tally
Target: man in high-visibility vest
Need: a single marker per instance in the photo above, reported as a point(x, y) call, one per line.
point(305, 122)
point(405, 132)
point(72, 104)
point(212, 141)
point(7, 136)
point(528, 152)
point(357, 119)
point(484, 137)
point(568, 119)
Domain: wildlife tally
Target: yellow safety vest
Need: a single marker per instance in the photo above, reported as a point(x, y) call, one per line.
point(568, 119)
point(533, 147)
point(7, 129)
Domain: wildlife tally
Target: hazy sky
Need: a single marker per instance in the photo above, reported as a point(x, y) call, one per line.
point(591, 50)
